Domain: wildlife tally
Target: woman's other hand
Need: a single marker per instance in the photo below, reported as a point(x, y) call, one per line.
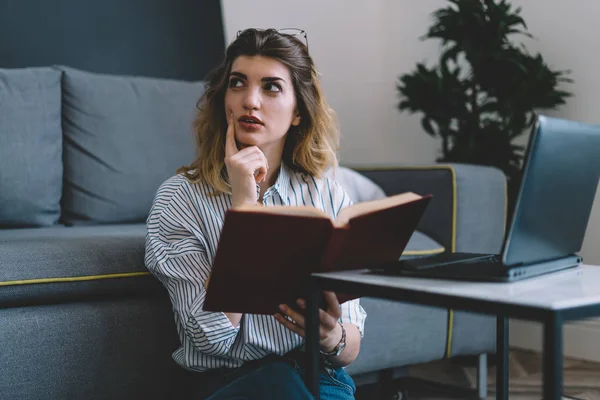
point(245, 168)
point(330, 331)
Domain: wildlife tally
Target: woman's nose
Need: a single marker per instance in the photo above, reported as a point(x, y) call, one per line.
point(252, 99)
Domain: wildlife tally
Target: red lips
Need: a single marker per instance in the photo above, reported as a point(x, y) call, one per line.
point(250, 119)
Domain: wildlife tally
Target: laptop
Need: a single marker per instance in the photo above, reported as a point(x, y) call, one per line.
point(559, 181)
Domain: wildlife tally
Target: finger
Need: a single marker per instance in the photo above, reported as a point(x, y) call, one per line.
point(296, 316)
point(261, 173)
point(264, 158)
point(251, 152)
point(327, 323)
point(333, 305)
point(257, 168)
point(326, 319)
point(230, 146)
point(289, 325)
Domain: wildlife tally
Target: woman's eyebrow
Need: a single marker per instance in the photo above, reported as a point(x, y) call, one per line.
point(265, 79)
point(239, 75)
point(272, 79)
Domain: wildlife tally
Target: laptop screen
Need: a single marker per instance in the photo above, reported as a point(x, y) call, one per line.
point(558, 186)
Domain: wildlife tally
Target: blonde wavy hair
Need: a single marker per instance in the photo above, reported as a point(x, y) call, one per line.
point(310, 148)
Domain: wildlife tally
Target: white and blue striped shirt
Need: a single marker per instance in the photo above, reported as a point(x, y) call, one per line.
point(184, 226)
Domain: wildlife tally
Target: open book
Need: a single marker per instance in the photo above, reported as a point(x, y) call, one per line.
point(266, 254)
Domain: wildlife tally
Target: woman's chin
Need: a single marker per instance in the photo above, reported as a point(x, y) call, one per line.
point(242, 144)
point(245, 139)
point(248, 139)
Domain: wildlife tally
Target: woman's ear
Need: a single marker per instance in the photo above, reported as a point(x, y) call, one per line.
point(296, 120)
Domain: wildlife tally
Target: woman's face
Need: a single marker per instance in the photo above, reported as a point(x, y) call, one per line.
point(260, 94)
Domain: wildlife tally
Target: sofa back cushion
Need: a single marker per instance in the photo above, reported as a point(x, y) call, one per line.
point(30, 147)
point(360, 188)
point(357, 186)
point(123, 137)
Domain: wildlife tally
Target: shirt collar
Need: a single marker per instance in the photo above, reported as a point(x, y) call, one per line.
point(283, 182)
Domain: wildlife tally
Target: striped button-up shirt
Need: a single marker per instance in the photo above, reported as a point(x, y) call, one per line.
point(184, 226)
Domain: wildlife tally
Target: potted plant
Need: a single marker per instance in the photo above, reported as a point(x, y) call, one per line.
point(485, 89)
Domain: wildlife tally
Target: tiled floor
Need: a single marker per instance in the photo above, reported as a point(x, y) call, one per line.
point(581, 379)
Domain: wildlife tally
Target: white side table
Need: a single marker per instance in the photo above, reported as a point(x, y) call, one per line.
point(551, 299)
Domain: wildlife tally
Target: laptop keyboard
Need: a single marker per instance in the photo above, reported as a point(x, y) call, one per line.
point(490, 260)
point(461, 260)
point(470, 267)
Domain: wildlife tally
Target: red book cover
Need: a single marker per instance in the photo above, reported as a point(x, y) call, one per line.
point(266, 254)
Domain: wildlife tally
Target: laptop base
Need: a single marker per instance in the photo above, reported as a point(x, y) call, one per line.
point(475, 267)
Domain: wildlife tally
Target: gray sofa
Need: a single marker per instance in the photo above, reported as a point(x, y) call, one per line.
point(81, 156)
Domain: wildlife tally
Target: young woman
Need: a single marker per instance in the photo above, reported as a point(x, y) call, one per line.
point(265, 135)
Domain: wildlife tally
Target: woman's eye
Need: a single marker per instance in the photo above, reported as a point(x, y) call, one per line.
point(273, 87)
point(235, 82)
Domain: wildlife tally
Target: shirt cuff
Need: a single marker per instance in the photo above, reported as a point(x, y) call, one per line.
point(353, 313)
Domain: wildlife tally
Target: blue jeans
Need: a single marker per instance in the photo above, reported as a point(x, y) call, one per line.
point(279, 378)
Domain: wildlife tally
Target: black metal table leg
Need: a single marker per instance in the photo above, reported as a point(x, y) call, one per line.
point(502, 358)
point(312, 342)
point(553, 358)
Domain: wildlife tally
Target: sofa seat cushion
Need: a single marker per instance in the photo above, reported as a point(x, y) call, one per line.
point(50, 264)
point(31, 168)
point(47, 265)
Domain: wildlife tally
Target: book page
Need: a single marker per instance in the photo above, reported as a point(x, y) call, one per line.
point(300, 211)
point(366, 207)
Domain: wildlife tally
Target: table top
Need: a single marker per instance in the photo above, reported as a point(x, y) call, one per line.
point(568, 289)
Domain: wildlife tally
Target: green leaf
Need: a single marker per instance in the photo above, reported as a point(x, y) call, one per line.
point(428, 126)
point(478, 107)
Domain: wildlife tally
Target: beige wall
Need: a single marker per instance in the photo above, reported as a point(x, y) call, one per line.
point(359, 57)
point(361, 47)
point(569, 42)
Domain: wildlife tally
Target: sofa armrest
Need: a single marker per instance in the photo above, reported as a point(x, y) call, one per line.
point(468, 210)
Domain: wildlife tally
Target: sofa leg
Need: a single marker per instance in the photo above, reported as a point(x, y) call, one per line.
point(482, 376)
